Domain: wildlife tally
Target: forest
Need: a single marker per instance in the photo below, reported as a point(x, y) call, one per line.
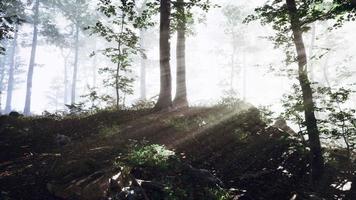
point(177, 100)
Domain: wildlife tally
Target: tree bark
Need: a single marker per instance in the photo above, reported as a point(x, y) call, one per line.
point(165, 97)
point(317, 161)
point(65, 80)
point(2, 76)
point(27, 109)
point(143, 92)
point(180, 100)
point(75, 67)
point(12, 65)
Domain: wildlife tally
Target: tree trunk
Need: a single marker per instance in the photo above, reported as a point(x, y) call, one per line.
point(2, 76)
point(317, 161)
point(180, 100)
point(65, 96)
point(75, 67)
point(12, 65)
point(165, 97)
point(311, 48)
point(27, 109)
point(143, 94)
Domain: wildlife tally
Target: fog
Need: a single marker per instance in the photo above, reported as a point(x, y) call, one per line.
point(208, 53)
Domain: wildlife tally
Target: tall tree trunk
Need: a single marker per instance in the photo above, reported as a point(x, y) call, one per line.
point(244, 76)
point(180, 99)
point(317, 161)
point(95, 62)
point(27, 109)
point(165, 96)
point(311, 48)
point(2, 76)
point(143, 94)
point(75, 67)
point(12, 65)
point(65, 96)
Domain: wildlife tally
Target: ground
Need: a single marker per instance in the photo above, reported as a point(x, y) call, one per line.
point(236, 147)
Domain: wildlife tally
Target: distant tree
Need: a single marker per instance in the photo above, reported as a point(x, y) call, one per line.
point(11, 74)
point(234, 29)
point(3, 59)
point(144, 45)
point(76, 11)
point(36, 10)
point(55, 94)
point(182, 18)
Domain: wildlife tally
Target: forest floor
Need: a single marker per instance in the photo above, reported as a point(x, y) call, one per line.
point(252, 160)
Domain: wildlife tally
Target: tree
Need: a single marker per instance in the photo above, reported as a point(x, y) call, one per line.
point(12, 64)
point(234, 29)
point(3, 59)
point(317, 161)
point(165, 97)
point(294, 17)
point(76, 11)
point(182, 17)
point(180, 99)
point(118, 27)
point(27, 109)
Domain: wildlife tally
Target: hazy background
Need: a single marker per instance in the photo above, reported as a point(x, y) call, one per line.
point(208, 57)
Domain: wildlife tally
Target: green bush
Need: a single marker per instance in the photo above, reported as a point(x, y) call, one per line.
point(152, 156)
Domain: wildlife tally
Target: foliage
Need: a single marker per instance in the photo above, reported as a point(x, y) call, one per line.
point(110, 130)
point(118, 27)
point(232, 102)
point(185, 123)
point(219, 194)
point(190, 14)
point(308, 11)
point(96, 101)
point(11, 14)
point(143, 104)
point(151, 155)
point(336, 118)
point(266, 114)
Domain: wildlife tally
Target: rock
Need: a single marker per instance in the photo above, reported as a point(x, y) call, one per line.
point(203, 177)
point(62, 140)
point(15, 114)
point(281, 123)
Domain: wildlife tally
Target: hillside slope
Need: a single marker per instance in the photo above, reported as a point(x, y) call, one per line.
point(212, 154)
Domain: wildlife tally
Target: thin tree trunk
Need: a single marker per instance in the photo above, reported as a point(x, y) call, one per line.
point(180, 100)
point(244, 76)
point(118, 66)
point(65, 81)
point(2, 76)
point(143, 95)
point(311, 48)
point(317, 161)
point(95, 62)
point(12, 65)
point(75, 67)
point(165, 96)
point(65, 76)
point(27, 109)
